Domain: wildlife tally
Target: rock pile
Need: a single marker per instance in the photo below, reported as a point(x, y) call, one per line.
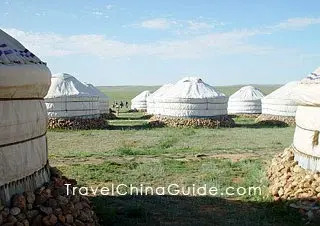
point(108, 116)
point(77, 123)
point(216, 122)
point(276, 120)
point(290, 181)
point(300, 187)
point(49, 205)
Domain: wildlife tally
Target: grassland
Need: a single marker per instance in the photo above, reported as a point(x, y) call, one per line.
point(126, 93)
point(131, 153)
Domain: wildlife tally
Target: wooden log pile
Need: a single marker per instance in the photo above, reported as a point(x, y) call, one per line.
point(77, 123)
point(107, 116)
point(288, 181)
point(215, 122)
point(276, 120)
point(48, 206)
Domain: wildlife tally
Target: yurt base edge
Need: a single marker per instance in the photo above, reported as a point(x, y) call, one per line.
point(212, 122)
point(50, 204)
point(276, 120)
point(77, 123)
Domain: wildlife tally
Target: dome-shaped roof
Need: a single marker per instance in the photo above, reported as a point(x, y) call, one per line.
point(63, 84)
point(159, 92)
point(13, 52)
point(95, 91)
point(141, 97)
point(22, 74)
point(313, 78)
point(247, 93)
point(192, 88)
point(283, 93)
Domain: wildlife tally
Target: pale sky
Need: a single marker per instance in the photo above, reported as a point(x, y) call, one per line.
point(156, 42)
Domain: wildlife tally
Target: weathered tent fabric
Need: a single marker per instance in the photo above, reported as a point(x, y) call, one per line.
point(103, 99)
point(280, 102)
point(140, 101)
point(68, 98)
point(246, 100)
point(152, 107)
point(306, 138)
point(191, 97)
point(24, 81)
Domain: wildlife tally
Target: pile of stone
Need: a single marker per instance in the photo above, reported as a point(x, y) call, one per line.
point(216, 122)
point(108, 116)
point(49, 205)
point(290, 182)
point(276, 120)
point(77, 123)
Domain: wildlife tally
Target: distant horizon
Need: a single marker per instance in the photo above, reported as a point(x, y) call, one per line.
point(215, 86)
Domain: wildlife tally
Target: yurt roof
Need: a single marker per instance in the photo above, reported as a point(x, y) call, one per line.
point(192, 88)
point(284, 92)
point(142, 96)
point(160, 91)
point(95, 90)
point(63, 84)
point(247, 93)
point(13, 52)
point(308, 91)
point(314, 77)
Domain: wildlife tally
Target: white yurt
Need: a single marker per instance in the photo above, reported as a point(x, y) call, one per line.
point(69, 98)
point(140, 101)
point(306, 138)
point(192, 97)
point(151, 104)
point(280, 102)
point(246, 100)
point(24, 81)
point(103, 99)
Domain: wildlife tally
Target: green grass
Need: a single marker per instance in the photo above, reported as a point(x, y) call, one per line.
point(132, 153)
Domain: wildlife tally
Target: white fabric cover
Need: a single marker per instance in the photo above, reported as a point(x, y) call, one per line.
point(306, 94)
point(22, 74)
point(140, 101)
point(22, 120)
point(191, 97)
point(246, 100)
point(151, 104)
point(281, 101)
point(24, 81)
point(103, 99)
point(68, 97)
point(308, 91)
point(23, 159)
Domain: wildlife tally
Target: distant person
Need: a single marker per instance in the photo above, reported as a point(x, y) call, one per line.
point(117, 109)
point(127, 104)
point(121, 104)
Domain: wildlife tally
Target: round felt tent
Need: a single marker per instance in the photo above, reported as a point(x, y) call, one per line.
point(25, 80)
point(246, 100)
point(191, 103)
point(306, 138)
point(103, 99)
point(140, 101)
point(69, 98)
point(191, 97)
point(279, 106)
point(151, 104)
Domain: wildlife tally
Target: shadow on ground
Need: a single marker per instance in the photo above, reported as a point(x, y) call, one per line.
point(183, 210)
